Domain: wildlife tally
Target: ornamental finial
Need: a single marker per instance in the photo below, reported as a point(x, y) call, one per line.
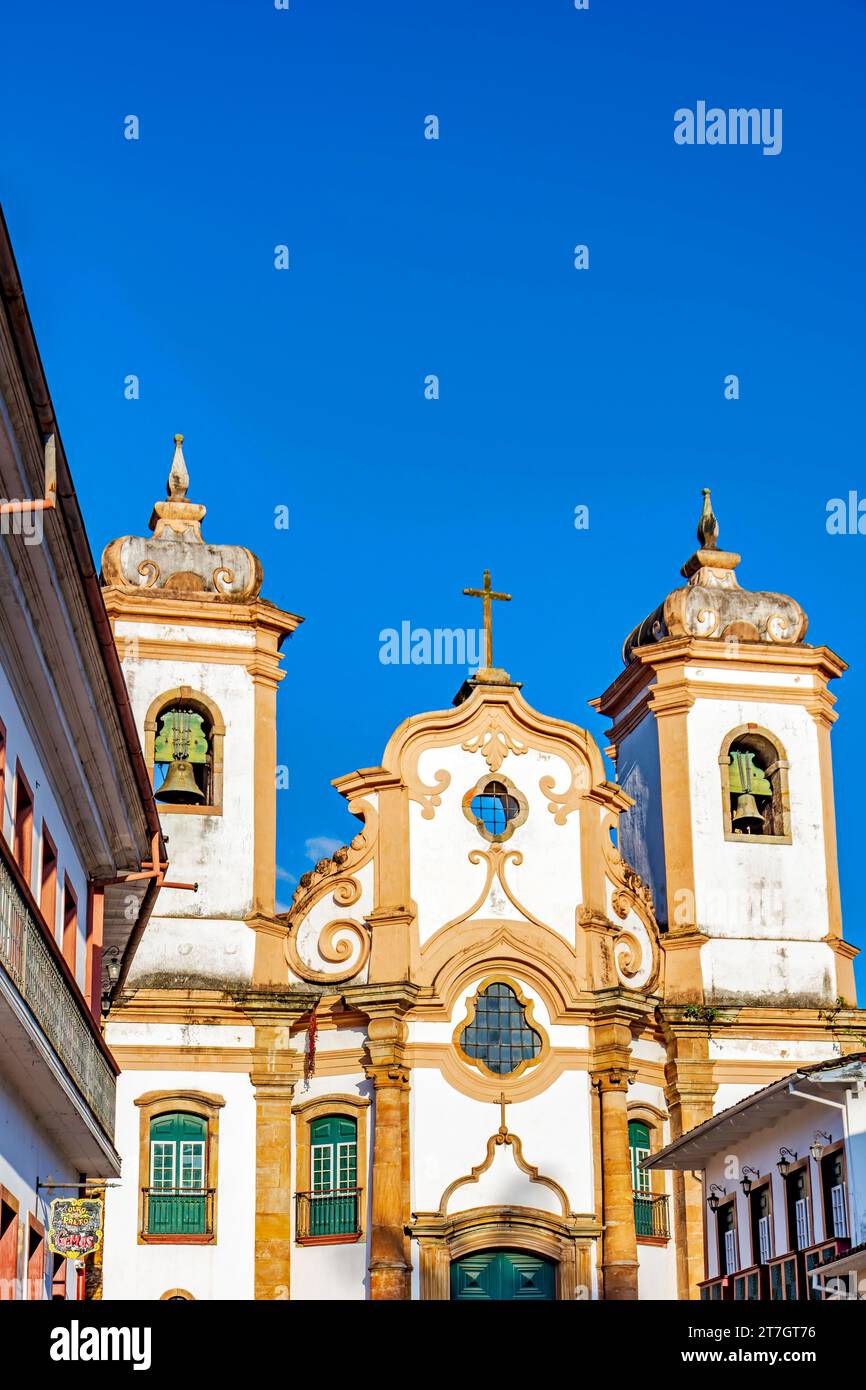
point(708, 527)
point(178, 478)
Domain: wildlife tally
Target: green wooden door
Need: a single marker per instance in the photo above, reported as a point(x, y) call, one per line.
point(504, 1275)
point(334, 1186)
point(177, 1198)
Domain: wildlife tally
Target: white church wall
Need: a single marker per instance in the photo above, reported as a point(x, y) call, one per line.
point(215, 851)
point(657, 1271)
point(760, 893)
point(450, 1133)
point(754, 889)
point(335, 1272)
point(219, 950)
point(223, 1270)
point(790, 1050)
point(551, 853)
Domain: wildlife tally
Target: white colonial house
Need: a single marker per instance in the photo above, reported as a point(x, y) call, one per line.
point(77, 818)
point(785, 1187)
point(438, 1075)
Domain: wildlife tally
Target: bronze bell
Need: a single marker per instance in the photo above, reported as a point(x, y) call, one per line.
point(180, 785)
point(747, 817)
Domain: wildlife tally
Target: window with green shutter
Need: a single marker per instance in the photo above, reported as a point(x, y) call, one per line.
point(332, 1208)
point(639, 1149)
point(177, 1194)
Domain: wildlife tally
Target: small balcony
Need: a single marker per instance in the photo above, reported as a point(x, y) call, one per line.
point(328, 1217)
point(177, 1215)
point(651, 1220)
point(52, 1048)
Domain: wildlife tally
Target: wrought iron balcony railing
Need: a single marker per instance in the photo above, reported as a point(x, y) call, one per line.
point(27, 957)
point(177, 1211)
point(328, 1215)
point(651, 1215)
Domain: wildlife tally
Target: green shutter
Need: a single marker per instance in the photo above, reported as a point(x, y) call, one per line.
point(333, 1171)
point(178, 1175)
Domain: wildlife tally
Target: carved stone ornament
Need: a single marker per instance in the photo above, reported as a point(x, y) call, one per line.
point(176, 560)
point(712, 606)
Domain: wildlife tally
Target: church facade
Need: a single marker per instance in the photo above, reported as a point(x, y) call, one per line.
point(439, 1074)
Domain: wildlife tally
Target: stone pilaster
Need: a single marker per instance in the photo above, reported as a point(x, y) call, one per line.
point(273, 1234)
point(689, 1093)
point(276, 1069)
point(386, 1039)
point(610, 1076)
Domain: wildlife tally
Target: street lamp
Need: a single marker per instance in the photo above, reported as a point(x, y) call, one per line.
point(713, 1199)
point(816, 1148)
point(749, 1174)
point(784, 1162)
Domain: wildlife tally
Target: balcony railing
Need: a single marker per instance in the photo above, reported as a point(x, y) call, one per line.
point(330, 1215)
point(651, 1215)
point(178, 1211)
point(27, 958)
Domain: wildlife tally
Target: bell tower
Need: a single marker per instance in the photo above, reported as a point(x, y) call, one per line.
point(200, 650)
point(721, 734)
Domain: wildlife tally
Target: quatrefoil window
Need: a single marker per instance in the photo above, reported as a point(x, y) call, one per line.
point(497, 1035)
point(495, 807)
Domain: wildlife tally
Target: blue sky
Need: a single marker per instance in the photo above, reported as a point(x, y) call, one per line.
point(408, 257)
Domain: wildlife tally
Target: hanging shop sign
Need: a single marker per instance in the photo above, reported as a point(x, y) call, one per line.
point(75, 1226)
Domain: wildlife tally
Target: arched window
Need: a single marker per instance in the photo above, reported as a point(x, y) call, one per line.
point(178, 1166)
point(177, 1195)
point(651, 1215)
point(182, 758)
point(755, 799)
point(331, 1206)
point(183, 745)
point(498, 1035)
point(639, 1149)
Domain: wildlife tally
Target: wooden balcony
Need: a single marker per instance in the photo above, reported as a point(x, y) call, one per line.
point(330, 1218)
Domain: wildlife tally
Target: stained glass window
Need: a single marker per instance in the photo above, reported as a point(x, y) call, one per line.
point(499, 1035)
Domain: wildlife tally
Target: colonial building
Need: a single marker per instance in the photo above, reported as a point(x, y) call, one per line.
point(784, 1186)
point(440, 1073)
point(77, 824)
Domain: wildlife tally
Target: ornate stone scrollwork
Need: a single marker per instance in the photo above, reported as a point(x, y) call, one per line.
point(494, 742)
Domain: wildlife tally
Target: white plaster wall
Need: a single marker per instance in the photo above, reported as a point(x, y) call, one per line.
point(335, 1272)
point(450, 1133)
point(220, 1271)
point(215, 851)
point(200, 950)
point(47, 811)
point(657, 1270)
point(784, 886)
point(772, 1050)
point(27, 1155)
point(445, 885)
